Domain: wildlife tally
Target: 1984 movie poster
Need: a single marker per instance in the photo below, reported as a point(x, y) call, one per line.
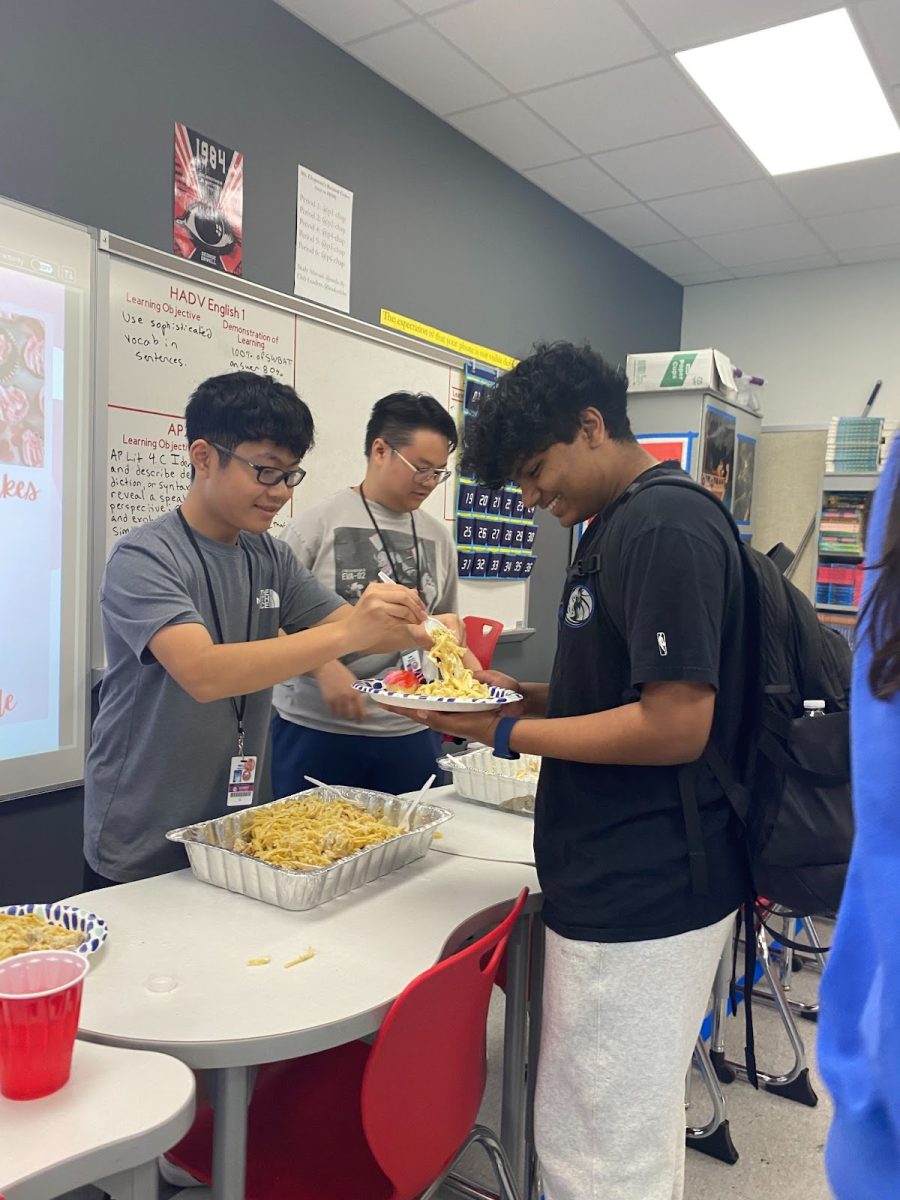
point(209, 202)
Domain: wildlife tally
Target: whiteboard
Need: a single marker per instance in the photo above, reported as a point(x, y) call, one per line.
point(46, 275)
point(166, 324)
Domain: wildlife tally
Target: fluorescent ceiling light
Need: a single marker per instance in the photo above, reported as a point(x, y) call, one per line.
point(801, 95)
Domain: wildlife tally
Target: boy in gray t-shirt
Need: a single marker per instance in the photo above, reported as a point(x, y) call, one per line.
point(322, 727)
point(202, 613)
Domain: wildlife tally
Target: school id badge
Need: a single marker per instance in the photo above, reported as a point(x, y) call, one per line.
point(241, 781)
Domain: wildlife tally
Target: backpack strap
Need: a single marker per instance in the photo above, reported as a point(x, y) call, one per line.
point(687, 791)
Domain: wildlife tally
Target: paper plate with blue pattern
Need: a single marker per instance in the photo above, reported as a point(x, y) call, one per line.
point(376, 690)
point(93, 929)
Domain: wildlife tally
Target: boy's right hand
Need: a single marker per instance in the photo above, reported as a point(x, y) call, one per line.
point(381, 615)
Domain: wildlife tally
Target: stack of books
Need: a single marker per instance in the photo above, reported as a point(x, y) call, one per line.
point(854, 444)
point(838, 583)
point(840, 526)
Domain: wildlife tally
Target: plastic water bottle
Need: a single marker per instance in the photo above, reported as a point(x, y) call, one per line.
point(814, 708)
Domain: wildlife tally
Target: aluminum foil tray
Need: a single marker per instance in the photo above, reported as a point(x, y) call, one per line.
point(510, 784)
point(208, 845)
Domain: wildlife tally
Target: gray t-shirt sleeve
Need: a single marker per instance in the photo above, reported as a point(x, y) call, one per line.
point(304, 536)
point(143, 592)
point(448, 595)
point(304, 601)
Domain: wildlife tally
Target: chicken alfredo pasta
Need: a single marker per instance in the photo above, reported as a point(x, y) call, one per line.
point(310, 832)
point(456, 680)
point(19, 934)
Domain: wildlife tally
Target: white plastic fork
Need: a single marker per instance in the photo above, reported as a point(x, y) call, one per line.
point(406, 821)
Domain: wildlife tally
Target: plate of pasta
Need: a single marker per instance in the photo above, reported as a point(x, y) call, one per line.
point(455, 687)
point(430, 695)
point(25, 927)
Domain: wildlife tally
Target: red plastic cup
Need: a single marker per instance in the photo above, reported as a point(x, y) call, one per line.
point(40, 999)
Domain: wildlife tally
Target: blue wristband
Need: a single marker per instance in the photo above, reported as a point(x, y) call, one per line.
point(502, 730)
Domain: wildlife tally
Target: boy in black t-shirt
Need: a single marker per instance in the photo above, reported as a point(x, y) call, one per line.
point(648, 668)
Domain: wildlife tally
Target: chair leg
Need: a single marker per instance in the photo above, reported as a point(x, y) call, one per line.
point(503, 1168)
point(493, 1147)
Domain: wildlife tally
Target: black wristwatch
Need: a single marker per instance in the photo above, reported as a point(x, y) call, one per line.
point(502, 730)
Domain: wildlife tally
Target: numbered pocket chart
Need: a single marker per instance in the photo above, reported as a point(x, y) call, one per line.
point(495, 532)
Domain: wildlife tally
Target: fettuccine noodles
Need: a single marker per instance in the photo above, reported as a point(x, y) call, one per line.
point(456, 680)
point(31, 932)
point(310, 832)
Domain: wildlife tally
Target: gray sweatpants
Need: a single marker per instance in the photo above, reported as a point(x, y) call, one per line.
point(620, 1020)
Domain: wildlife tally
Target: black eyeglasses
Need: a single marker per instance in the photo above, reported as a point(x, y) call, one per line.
point(267, 476)
point(432, 475)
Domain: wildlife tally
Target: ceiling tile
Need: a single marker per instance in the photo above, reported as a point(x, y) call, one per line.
point(845, 188)
point(682, 24)
point(748, 246)
point(421, 7)
point(633, 225)
point(687, 162)
point(719, 210)
point(879, 25)
point(690, 278)
point(419, 62)
point(342, 20)
point(532, 43)
point(579, 184)
point(512, 133)
point(628, 104)
point(677, 257)
point(851, 231)
point(808, 262)
point(870, 254)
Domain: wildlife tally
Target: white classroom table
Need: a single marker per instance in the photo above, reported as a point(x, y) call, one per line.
point(173, 976)
point(480, 831)
point(119, 1110)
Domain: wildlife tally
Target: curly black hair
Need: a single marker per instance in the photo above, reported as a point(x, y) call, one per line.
point(538, 403)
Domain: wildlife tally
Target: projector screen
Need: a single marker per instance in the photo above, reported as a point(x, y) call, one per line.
point(46, 267)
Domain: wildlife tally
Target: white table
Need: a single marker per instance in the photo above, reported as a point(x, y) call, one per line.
point(225, 1017)
point(479, 831)
point(119, 1110)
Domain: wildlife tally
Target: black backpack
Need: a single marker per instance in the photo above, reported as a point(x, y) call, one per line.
point(793, 795)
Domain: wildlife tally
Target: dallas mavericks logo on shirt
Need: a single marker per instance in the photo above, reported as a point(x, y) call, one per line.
point(268, 598)
point(580, 607)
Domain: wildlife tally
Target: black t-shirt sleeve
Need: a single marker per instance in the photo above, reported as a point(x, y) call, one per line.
point(673, 588)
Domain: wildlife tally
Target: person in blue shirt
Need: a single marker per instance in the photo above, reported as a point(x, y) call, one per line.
point(859, 1029)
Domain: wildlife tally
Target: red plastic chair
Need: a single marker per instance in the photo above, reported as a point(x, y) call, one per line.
point(381, 1122)
point(481, 637)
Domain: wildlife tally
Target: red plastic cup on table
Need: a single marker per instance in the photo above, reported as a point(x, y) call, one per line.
point(40, 999)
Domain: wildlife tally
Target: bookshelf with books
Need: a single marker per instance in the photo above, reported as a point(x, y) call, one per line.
point(839, 569)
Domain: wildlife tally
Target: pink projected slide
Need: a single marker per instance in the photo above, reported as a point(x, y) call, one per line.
point(32, 323)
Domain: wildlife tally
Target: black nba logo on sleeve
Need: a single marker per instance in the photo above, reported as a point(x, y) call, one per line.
point(661, 643)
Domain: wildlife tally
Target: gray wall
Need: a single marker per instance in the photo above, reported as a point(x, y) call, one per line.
point(89, 93)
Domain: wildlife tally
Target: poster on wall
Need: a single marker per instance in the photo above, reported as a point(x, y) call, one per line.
point(324, 228)
point(717, 466)
point(743, 479)
point(208, 219)
point(669, 447)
